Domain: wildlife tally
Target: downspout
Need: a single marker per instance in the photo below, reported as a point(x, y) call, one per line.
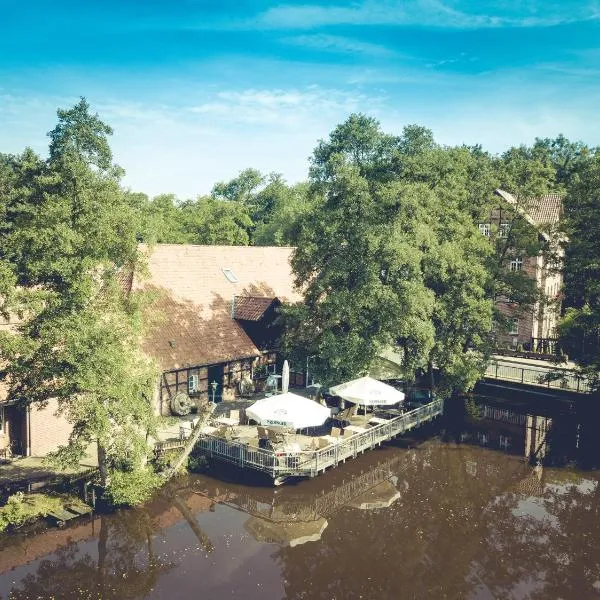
point(28, 427)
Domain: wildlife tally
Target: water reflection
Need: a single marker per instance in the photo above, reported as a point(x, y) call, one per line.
point(555, 434)
point(457, 516)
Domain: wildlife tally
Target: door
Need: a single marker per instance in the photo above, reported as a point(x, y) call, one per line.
point(215, 375)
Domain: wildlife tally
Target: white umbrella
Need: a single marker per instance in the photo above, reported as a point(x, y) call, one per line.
point(292, 533)
point(285, 377)
point(367, 391)
point(288, 410)
point(384, 494)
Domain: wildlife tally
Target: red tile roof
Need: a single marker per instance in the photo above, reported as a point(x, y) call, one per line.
point(543, 212)
point(192, 315)
point(251, 308)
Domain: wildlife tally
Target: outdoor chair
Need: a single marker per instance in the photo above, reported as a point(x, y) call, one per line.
point(221, 432)
point(275, 437)
point(235, 414)
point(336, 432)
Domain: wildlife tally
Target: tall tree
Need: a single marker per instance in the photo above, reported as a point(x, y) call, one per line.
point(69, 233)
point(580, 329)
point(387, 260)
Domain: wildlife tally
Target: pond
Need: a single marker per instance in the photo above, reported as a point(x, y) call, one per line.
point(488, 503)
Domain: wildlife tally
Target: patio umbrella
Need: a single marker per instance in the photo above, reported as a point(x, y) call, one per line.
point(384, 494)
point(285, 533)
point(288, 410)
point(367, 391)
point(285, 377)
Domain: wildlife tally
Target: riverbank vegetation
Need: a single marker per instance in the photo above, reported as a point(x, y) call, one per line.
point(389, 255)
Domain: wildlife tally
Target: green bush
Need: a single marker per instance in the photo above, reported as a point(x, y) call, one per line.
point(198, 463)
point(22, 508)
point(128, 488)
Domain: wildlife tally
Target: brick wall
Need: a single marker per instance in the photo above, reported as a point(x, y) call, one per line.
point(48, 430)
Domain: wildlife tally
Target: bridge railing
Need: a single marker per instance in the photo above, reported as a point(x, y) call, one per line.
point(565, 380)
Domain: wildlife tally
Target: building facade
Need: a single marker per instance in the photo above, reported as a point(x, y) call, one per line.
point(214, 321)
point(532, 327)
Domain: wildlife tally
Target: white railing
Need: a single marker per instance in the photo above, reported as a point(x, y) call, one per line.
point(278, 463)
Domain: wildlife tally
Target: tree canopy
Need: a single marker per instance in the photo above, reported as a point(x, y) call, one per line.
point(68, 233)
point(388, 258)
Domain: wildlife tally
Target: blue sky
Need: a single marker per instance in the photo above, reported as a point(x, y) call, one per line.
point(197, 91)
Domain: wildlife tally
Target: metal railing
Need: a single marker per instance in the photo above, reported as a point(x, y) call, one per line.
point(539, 377)
point(503, 414)
point(281, 464)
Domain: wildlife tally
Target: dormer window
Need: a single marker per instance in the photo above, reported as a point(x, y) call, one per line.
point(230, 276)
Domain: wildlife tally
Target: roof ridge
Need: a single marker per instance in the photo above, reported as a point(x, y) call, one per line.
point(143, 244)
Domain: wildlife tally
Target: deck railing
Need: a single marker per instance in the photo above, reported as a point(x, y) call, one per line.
point(281, 464)
point(566, 380)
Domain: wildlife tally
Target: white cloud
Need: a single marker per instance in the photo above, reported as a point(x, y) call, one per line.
point(336, 43)
point(434, 13)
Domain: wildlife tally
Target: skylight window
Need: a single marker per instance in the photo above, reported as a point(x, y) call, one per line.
point(230, 276)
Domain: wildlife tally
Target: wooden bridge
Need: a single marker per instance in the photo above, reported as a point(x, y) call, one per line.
point(281, 465)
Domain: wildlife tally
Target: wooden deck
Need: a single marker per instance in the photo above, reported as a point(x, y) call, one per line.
point(281, 465)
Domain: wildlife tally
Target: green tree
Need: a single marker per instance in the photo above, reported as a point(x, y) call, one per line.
point(387, 260)
point(213, 222)
point(69, 231)
point(280, 209)
point(580, 329)
point(241, 188)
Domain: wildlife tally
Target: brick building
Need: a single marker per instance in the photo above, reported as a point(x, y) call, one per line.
point(29, 430)
point(532, 327)
point(213, 320)
point(214, 317)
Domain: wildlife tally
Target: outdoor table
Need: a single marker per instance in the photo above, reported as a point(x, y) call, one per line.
point(209, 429)
point(328, 440)
point(377, 421)
point(288, 454)
point(227, 421)
point(290, 448)
point(355, 429)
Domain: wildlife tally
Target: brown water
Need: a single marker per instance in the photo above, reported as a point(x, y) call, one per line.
point(458, 515)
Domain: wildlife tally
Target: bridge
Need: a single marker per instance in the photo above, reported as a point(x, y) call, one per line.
point(530, 373)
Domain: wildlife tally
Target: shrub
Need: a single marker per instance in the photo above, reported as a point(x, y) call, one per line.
point(198, 463)
point(22, 508)
point(128, 488)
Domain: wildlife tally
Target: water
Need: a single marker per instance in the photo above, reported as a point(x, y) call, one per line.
point(457, 513)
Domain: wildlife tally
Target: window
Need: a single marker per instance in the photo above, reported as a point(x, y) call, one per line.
point(1, 420)
point(192, 384)
point(484, 229)
point(504, 229)
point(516, 264)
point(230, 276)
point(514, 327)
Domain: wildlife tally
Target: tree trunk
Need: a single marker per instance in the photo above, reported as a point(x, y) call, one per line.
point(189, 446)
point(102, 466)
point(205, 542)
